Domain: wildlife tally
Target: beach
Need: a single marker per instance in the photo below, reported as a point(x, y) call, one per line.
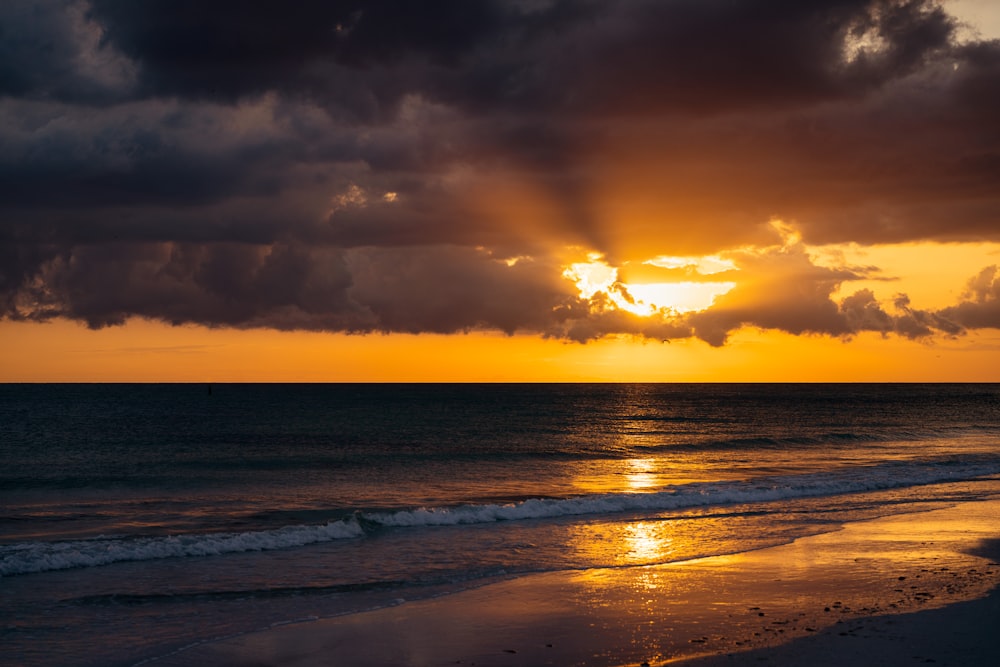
point(959, 634)
point(900, 590)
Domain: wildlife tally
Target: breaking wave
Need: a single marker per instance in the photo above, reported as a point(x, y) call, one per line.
point(30, 557)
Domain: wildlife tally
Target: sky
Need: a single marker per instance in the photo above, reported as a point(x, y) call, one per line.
point(518, 190)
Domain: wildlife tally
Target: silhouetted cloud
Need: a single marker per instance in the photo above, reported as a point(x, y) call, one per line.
point(386, 165)
point(980, 307)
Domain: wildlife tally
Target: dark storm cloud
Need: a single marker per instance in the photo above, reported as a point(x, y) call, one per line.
point(49, 49)
point(570, 57)
point(443, 289)
point(696, 56)
point(380, 165)
point(447, 289)
point(157, 152)
point(217, 284)
point(351, 55)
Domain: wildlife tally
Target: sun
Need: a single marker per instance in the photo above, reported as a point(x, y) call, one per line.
point(596, 278)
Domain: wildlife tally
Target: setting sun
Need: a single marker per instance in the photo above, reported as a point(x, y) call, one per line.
point(597, 279)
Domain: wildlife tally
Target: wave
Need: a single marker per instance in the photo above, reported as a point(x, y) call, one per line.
point(32, 557)
point(770, 489)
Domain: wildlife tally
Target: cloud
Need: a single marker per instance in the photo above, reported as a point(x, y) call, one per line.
point(53, 49)
point(361, 58)
point(215, 285)
point(449, 289)
point(980, 307)
point(442, 289)
point(452, 289)
point(378, 165)
point(782, 288)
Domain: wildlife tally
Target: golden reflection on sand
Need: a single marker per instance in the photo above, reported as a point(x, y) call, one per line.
point(659, 614)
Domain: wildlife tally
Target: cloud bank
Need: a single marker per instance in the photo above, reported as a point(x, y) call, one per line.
point(395, 166)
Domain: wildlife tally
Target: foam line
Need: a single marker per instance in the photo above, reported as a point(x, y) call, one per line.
point(31, 557)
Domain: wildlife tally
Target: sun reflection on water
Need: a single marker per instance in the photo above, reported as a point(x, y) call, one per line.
point(647, 541)
point(630, 542)
point(640, 475)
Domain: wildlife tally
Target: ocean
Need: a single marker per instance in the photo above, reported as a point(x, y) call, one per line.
point(140, 519)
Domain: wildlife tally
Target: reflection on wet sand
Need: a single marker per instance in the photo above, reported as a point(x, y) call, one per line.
point(655, 614)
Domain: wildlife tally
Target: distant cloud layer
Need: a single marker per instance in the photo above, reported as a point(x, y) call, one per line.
point(389, 165)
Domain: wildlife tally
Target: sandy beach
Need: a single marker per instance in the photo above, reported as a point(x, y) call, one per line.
point(900, 590)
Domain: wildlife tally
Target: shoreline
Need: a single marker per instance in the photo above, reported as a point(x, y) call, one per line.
point(959, 634)
point(892, 587)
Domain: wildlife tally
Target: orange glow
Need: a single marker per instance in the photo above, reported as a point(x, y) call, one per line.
point(597, 277)
point(933, 275)
point(633, 201)
point(144, 351)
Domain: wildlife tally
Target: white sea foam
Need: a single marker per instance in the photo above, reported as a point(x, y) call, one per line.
point(43, 556)
point(856, 480)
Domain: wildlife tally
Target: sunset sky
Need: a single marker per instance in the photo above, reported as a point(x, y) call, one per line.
point(639, 190)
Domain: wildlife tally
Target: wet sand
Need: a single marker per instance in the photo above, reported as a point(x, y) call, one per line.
point(902, 590)
point(958, 635)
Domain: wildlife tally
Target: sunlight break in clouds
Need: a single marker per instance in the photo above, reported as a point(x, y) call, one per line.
point(597, 278)
point(569, 171)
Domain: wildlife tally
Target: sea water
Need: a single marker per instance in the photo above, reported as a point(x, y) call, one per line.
point(137, 520)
